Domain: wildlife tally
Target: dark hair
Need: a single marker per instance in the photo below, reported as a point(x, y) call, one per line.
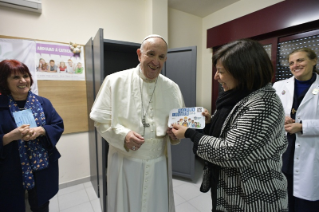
point(51, 61)
point(310, 54)
point(248, 62)
point(9, 67)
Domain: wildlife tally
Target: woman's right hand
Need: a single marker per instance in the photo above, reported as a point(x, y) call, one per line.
point(207, 116)
point(16, 134)
point(289, 120)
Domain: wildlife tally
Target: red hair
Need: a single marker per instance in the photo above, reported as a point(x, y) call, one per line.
point(9, 67)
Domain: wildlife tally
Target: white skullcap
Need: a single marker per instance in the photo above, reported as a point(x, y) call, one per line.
point(154, 36)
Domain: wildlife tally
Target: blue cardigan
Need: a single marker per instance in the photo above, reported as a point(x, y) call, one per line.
point(46, 180)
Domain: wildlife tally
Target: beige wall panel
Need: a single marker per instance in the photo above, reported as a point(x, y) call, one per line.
point(69, 100)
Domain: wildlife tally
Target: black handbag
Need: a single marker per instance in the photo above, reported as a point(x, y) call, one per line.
point(207, 176)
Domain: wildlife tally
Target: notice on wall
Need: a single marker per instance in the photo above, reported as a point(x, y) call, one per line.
point(190, 117)
point(57, 62)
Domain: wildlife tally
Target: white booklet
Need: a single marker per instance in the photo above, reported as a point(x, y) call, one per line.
point(190, 117)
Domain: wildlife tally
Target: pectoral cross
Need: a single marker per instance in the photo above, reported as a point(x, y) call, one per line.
point(144, 123)
point(293, 111)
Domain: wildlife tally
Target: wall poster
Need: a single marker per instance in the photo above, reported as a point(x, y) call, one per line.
point(57, 62)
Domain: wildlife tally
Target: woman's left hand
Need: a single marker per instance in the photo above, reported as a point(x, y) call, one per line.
point(293, 128)
point(34, 133)
point(179, 131)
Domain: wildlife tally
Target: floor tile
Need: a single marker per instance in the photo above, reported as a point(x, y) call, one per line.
point(178, 199)
point(87, 184)
point(187, 191)
point(96, 205)
point(177, 182)
point(91, 193)
point(72, 199)
point(71, 189)
point(85, 207)
point(202, 203)
point(54, 204)
point(186, 207)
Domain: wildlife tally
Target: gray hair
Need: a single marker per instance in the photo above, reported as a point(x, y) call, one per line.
point(151, 36)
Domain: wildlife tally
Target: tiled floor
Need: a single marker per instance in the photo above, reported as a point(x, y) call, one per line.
point(82, 197)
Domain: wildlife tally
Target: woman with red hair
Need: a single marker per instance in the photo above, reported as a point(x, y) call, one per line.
point(28, 155)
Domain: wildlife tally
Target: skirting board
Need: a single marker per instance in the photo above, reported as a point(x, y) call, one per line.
point(74, 182)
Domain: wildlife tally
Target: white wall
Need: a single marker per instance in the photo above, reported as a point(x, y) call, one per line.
point(184, 30)
point(77, 20)
point(157, 18)
point(74, 163)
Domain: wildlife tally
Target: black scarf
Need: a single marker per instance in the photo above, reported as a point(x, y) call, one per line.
point(224, 104)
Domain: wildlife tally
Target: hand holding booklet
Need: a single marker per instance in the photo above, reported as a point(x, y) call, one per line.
point(190, 117)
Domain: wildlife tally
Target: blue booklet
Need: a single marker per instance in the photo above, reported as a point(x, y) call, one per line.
point(24, 117)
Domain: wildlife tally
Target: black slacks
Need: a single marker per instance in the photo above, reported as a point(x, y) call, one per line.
point(33, 202)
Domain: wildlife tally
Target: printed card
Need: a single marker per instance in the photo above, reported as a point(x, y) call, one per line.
point(190, 117)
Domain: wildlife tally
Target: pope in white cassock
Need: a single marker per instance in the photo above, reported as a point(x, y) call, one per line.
point(131, 113)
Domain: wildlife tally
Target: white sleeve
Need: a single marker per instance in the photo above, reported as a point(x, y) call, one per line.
point(101, 114)
point(310, 127)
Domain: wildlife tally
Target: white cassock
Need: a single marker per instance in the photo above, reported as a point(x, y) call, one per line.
point(138, 181)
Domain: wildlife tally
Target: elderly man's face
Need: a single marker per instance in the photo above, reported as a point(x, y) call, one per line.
point(152, 57)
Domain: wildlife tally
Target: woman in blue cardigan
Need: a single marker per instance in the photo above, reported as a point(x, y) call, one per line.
point(28, 154)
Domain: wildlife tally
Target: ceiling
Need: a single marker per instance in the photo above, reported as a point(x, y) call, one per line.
point(199, 8)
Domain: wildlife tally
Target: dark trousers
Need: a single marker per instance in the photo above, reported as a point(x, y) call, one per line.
point(33, 202)
point(296, 204)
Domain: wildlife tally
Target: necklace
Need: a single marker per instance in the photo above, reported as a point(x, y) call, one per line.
point(144, 114)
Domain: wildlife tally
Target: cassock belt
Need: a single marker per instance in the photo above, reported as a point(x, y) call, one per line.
point(151, 149)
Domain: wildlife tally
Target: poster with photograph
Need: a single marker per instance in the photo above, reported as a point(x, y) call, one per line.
point(190, 117)
point(57, 62)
